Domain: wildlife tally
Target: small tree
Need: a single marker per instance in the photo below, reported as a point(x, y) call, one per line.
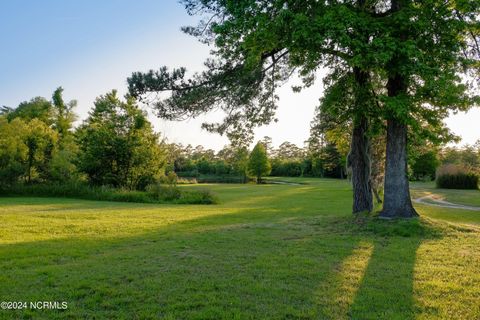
point(118, 146)
point(258, 163)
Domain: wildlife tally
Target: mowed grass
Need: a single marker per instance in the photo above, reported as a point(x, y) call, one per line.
point(265, 252)
point(463, 197)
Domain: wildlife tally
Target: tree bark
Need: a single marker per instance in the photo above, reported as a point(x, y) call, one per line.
point(359, 156)
point(359, 160)
point(397, 201)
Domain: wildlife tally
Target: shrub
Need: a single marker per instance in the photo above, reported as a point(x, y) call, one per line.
point(188, 174)
point(187, 181)
point(221, 179)
point(424, 166)
point(156, 193)
point(163, 192)
point(198, 197)
point(450, 169)
point(170, 179)
point(453, 176)
point(458, 181)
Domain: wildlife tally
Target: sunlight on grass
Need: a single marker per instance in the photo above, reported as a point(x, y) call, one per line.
point(273, 252)
point(463, 197)
point(339, 291)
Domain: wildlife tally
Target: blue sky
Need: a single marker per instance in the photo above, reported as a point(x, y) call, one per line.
point(91, 46)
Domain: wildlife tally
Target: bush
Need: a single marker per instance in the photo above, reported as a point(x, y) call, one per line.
point(75, 190)
point(221, 179)
point(187, 181)
point(156, 193)
point(170, 179)
point(188, 174)
point(163, 192)
point(198, 197)
point(453, 176)
point(458, 181)
point(424, 166)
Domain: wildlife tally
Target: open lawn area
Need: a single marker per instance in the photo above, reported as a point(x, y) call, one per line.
point(463, 197)
point(264, 252)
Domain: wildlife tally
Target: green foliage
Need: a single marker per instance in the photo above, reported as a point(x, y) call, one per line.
point(118, 146)
point(424, 165)
point(202, 196)
point(41, 142)
point(78, 190)
point(467, 156)
point(62, 164)
point(398, 61)
point(37, 145)
point(162, 192)
point(27, 146)
point(258, 45)
point(37, 108)
point(258, 163)
point(458, 180)
point(229, 164)
point(63, 113)
point(285, 168)
point(223, 179)
point(13, 150)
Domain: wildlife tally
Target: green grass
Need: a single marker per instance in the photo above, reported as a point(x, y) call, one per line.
point(464, 197)
point(265, 252)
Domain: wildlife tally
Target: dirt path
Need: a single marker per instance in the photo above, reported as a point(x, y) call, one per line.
point(430, 200)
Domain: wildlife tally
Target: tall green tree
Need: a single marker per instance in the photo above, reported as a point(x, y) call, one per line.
point(411, 47)
point(427, 42)
point(27, 147)
point(63, 113)
point(41, 141)
point(259, 46)
point(118, 146)
point(13, 151)
point(63, 167)
point(37, 108)
point(258, 163)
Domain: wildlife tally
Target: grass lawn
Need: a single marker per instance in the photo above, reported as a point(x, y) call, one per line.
point(265, 252)
point(464, 197)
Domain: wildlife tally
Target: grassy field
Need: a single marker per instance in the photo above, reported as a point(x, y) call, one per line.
point(464, 197)
point(265, 252)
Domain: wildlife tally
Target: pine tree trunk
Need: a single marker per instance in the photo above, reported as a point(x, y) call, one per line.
point(359, 161)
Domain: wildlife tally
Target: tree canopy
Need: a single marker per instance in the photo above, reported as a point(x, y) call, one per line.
point(258, 163)
point(401, 60)
point(118, 146)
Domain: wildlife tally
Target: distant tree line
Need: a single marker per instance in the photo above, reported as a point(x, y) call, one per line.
point(288, 160)
point(115, 146)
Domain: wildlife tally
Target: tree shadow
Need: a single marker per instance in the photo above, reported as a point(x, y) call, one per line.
point(386, 290)
point(265, 260)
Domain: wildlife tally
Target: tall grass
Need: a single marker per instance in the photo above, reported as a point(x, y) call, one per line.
point(79, 190)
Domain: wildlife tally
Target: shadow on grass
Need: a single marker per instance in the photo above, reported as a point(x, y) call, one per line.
point(261, 263)
point(386, 290)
